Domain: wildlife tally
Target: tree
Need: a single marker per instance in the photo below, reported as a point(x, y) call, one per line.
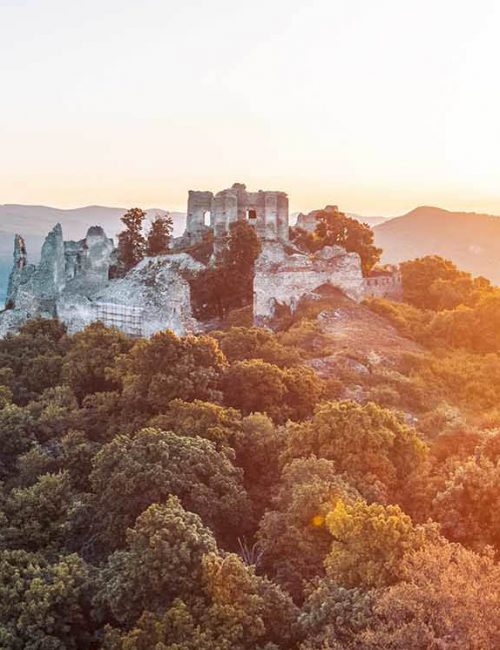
point(167, 367)
point(333, 617)
point(36, 517)
point(163, 561)
point(367, 443)
point(292, 535)
point(44, 605)
point(334, 228)
point(91, 353)
point(16, 436)
point(243, 343)
point(33, 358)
point(255, 385)
point(258, 451)
point(448, 597)
point(131, 241)
point(235, 610)
point(468, 504)
point(159, 235)
point(229, 285)
point(219, 424)
point(432, 282)
point(369, 543)
point(132, 472)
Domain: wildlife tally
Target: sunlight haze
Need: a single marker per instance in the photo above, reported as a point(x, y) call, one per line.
point(376, 106)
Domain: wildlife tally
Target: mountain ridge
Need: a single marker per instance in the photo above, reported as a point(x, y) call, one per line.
point(469, 239)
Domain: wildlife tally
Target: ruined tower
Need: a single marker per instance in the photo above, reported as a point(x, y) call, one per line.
point(267, 211)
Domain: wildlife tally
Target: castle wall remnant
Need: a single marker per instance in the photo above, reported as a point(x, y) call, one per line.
point(384, 284)
point(72, 283)
point(267, 211)
point(283, 277)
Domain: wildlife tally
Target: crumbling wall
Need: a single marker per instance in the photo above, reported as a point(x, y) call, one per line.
point(283, 277)
point(267, 211)
point(384, 285)
point(71, 283)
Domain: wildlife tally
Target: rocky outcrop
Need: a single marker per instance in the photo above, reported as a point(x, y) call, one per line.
point(283, 275)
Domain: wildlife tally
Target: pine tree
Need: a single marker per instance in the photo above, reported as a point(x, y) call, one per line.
point(159, 235)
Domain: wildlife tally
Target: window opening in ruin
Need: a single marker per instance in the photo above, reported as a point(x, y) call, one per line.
point(251, 215)
point(207, 218)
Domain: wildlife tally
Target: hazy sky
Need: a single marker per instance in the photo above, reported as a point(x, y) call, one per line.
point(376, 105)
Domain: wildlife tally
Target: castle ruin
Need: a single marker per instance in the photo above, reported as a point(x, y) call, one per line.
point(72, 281)
point(267, 211)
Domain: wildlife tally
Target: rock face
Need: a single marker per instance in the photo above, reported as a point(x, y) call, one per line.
point(72, 283)
point(283, 275)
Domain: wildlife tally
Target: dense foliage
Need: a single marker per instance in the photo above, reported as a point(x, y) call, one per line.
point(215, 492)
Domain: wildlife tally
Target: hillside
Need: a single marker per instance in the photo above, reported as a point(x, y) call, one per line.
point(470, 240)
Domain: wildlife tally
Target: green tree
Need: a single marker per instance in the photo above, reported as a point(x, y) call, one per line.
point(367, 443)
point(131, 241)
point(468, 504)
point(292, 535)
point(31, 360)
point(229, 285)
point(167, 367)
point(132, 472)
point(369, 543)
point(258, 451)
point(243, 343)
point(333, 617)
point(163, 561)
point(219, 424)
point(44, 605)
point(255, 385)
point(159, 235)
point(16, 436)
point(91, 353)
point(334, 228)
point(36, 517)
point(236, 610)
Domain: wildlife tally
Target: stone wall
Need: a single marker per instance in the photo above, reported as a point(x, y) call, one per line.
point(386, 284)
point(267, 211)
point(72, 283)
point(283, 275)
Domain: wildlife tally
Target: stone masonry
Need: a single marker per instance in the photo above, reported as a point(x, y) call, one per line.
point(72, 281)
point(266, 210)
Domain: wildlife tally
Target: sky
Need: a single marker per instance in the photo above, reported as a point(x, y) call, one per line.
point(374, 105)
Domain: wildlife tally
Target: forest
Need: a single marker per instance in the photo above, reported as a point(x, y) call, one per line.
point(216, 492)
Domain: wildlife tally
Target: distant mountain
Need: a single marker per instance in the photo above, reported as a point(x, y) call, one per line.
point(308, 221)
point(34, 222)
point(370, 221)
point(470, 240)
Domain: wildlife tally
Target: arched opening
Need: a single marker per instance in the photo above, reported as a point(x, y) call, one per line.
point(207, 218)
point(251, 216)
